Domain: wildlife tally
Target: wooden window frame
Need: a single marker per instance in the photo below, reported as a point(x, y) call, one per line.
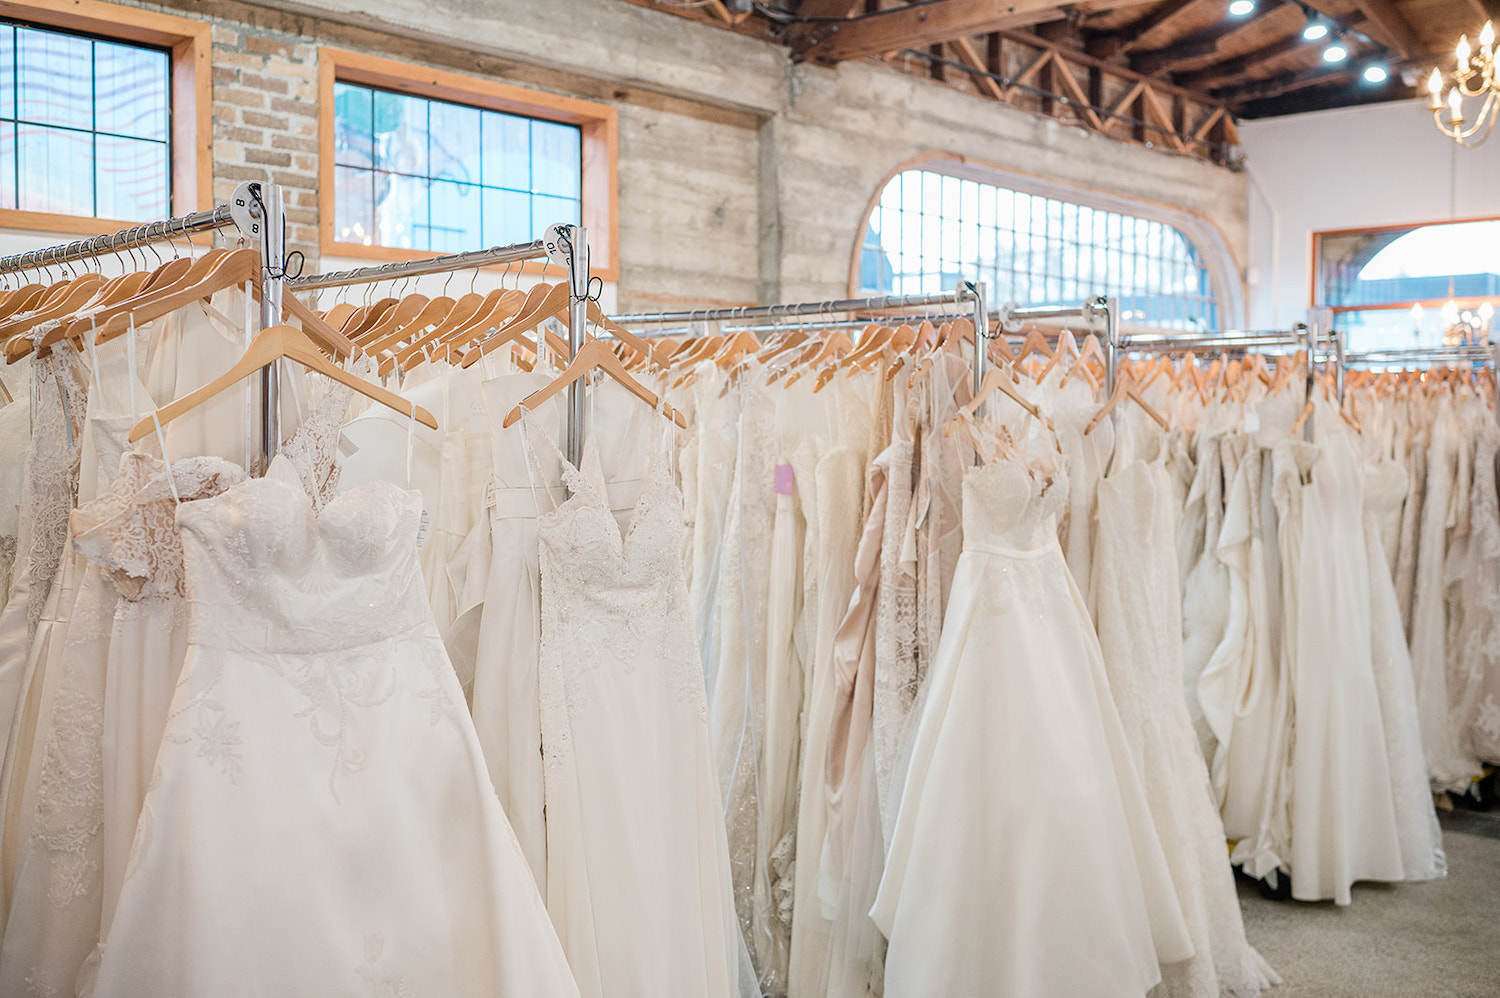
point(1314, 257)
point(599, 124)
point(190, 45)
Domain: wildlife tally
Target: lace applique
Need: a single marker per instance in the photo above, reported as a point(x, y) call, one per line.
point(130, 531)
point(39, 985)
point(382, 984)
point(70, 795)
point(59, 395)
point(313, 450)
point(350, 655)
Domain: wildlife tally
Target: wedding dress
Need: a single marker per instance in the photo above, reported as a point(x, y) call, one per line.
point(1139, 620)
point(1447, 765)
point(1344, 814)
point(320, 821)
point(638, 878)
point(1029, 894)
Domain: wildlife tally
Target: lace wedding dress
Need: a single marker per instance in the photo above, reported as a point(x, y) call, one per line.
point(1028, 894)
point(320, 820)
point(1139, 619)
point(638, 879)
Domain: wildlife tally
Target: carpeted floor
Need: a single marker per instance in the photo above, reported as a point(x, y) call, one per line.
point(1439, 939)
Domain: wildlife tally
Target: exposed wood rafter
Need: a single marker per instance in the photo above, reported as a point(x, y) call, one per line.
point(1124, 39)
point(1393, 24)
point(919, 26)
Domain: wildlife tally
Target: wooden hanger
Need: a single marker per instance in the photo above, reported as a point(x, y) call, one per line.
point(998, 379)
point(834, 343)
point(1035, 343)
point(367, 315)
point(80, 291)
point(1067, 346)
point(232, 270)
point(405, 333)
point(405, 310)
point(464, 309)
point(1124, 388)
point(498, 308)
point(22, 299)
point(593, 355)
point(269, 346)
point(1090, 349)
point(522, 323)
point(339, 314)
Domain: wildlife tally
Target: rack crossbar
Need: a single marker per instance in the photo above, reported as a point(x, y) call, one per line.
point(116, 242)
point(415, 268)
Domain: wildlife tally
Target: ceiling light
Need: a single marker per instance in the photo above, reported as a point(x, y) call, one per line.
point(1315, 30)
point(1375, 73)
point(1335, 52)
point(1239, 8)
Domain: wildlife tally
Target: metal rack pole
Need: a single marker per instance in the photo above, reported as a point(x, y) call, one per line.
point(578, 301)
point(140, 235)
point(981, 334)
point(888, 302)
point(416, 268)
point(1111, 344)
point(273, 276)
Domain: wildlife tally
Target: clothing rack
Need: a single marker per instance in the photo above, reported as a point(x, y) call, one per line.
point(1010, 317)
point(249, 210)
point(968, 293)
point(565, 245)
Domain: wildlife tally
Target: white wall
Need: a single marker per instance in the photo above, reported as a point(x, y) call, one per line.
point(1383, 164)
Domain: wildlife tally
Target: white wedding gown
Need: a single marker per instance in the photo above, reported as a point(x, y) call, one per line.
point(638, 878)
point(320, 821)
point(998, 883)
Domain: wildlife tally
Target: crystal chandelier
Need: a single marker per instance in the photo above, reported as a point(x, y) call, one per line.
point(1475, 76)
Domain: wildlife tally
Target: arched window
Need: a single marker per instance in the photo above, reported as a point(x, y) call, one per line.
point(1411, 285)
point(929, 230)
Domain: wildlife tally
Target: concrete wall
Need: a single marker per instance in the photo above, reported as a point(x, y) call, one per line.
point(1384, 164)
point(741, 176)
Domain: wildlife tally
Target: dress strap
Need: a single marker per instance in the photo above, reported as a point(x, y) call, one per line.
point(161, 441)
point(532, 461)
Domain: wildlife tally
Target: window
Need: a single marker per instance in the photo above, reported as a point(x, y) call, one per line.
point(930, 230)
point(415, 173)
point(421, 161)
point(1412, 285)
point(104, 117)
point(84, 125)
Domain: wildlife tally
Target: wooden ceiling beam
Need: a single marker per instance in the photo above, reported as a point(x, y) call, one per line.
point(921, 25)
point(1107, 45)
point(798, 35)
point(1394, 25)
point(1278, 86)
point(971, 58)
point(1118, 72)
point(1198, 45)
point(1240, 67)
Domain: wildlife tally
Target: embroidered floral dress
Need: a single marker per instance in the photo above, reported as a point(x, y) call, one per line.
point(638, 880)
point(320, 820)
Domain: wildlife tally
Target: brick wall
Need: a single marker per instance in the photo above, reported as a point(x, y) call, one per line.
point(265, 111)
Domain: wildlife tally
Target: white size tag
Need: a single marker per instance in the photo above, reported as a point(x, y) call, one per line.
point(422, 530)
point(347, 447)
point(478, 418)
point(490, 496)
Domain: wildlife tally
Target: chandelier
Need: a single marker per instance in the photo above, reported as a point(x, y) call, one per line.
point(1475, 76)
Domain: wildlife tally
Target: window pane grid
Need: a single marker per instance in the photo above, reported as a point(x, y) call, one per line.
point(62, 151)
point(930, 231)
point(416, 173)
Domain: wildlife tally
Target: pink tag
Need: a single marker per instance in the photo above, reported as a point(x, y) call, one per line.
point(783, 479)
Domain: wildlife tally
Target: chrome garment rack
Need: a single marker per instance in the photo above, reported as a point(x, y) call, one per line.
point(1095, 311)
point(966, 294)
point(565, 245)
point(249, 210)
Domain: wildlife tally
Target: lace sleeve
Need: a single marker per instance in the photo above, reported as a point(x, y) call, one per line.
point(130, 531)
